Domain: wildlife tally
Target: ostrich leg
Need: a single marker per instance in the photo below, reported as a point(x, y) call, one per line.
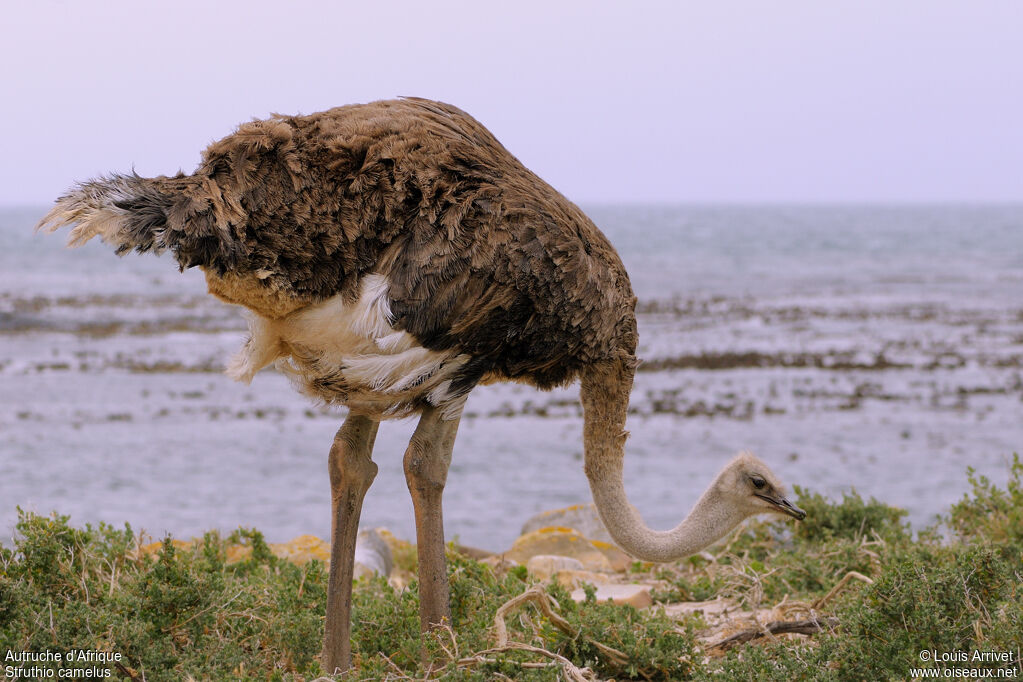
point(426, 470)
point(351, 473)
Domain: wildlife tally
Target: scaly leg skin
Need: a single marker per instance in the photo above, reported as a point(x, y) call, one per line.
point(351, 473)
point(426, 470)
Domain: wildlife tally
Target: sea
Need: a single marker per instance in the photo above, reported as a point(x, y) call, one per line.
point(875, 349)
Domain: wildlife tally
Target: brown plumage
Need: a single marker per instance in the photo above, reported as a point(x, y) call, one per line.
point(480, 254)
point(394, 255)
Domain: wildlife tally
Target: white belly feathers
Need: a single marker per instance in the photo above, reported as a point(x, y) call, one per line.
point(349, 354)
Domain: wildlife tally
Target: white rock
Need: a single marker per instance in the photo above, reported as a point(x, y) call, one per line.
point(543, 566)
point(633, 595)
point(372, 555)
point(572, 580)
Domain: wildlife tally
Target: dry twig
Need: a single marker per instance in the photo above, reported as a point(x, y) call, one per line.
point(572, 672)
point(838, 588)
point(546, 604)
point(778, 627)
point(810, 626)
point(543, 601)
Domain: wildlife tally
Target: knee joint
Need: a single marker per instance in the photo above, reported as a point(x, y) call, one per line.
point(350, 468)
point(422, 470)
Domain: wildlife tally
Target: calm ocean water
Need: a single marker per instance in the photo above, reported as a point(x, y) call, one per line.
point(872, 348)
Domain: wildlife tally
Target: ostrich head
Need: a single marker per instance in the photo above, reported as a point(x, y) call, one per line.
point(752, 488)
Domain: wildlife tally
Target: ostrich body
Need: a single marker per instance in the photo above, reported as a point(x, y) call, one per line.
point(391, 257)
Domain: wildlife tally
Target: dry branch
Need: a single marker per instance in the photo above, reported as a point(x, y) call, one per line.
point(543, 601)
point(537, 596)
point(778, 627)
point(838, 587)
point(572, 672)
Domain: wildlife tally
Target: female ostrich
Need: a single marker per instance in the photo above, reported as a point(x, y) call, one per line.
point(392, 256)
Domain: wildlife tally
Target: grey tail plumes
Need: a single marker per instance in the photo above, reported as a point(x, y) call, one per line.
point(133, 213)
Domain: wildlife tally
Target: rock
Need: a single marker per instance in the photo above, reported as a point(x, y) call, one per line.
point(584, 519)
point(712, 610)
point(499, 564)
point(302, 549)
point(619, 560)
point(372, 551)
point(564, 542)
point(473, 552)
point(393, 542)
point(572, 580)
point(633, 595)
point(400, 579)
point(153, 547)
point(236, 553)
point(581, 517)
point(372, 554)
point(544, 566)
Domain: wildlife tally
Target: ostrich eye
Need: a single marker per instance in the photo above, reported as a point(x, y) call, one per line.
point(758, 482)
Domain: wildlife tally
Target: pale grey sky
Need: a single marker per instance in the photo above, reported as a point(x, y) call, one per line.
point(723, 101)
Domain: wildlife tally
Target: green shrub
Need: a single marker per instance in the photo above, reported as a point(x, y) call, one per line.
point(657, 647)
point(186, 612)
point(178, 613)
point(988, 513)
point(938, 598)
point(851, 519)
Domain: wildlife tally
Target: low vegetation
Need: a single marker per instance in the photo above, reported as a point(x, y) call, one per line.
point(189, 612)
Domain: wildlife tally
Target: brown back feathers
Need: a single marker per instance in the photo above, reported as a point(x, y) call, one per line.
point(480, 254)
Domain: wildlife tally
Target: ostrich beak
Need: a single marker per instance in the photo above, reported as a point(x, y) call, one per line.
point(783, 506)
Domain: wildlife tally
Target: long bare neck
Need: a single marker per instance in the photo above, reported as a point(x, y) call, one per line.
point(605, 397)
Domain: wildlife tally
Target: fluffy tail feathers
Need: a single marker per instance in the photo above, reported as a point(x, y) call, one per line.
point(133, 213)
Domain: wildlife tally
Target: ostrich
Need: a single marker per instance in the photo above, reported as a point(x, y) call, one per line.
point(391, 256)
